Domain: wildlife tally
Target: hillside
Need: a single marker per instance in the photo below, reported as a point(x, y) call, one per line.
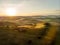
point(25, 31)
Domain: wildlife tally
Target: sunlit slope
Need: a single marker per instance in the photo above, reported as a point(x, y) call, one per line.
point(50, 36)
point(39, 25)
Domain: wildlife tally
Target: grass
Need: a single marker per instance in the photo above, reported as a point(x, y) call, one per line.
point(15, 37)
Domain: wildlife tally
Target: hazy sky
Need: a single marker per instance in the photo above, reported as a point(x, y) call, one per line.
point(31, 7)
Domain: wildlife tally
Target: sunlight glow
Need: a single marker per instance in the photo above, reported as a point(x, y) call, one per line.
point(10, 12)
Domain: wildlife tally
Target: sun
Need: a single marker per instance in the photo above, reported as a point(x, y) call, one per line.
point(11, 11)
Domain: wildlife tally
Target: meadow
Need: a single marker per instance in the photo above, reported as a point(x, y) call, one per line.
point(40, 33)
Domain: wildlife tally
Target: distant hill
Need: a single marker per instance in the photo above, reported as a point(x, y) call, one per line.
point(29, 20)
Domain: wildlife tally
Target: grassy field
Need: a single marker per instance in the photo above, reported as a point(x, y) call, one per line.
point(27, 36)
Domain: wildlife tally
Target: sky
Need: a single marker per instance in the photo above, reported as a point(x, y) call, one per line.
point(31, 7)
